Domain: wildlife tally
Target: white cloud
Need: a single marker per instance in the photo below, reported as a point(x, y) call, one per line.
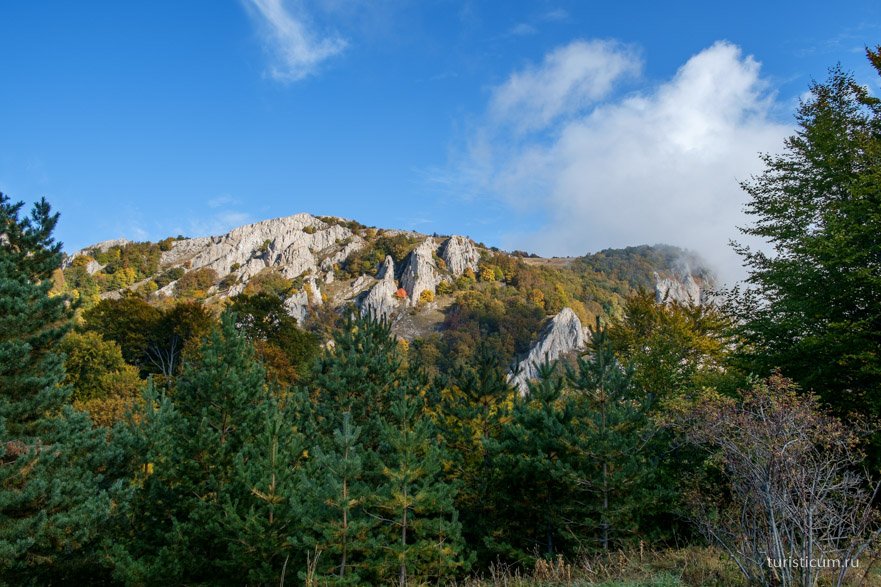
point(217, 223)
point(296, 51)
point(221, 201)
point(569, 79)
point(662, 165)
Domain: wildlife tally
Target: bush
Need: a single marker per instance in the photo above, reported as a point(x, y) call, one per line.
point(169, 276)
point(793, 486)
point(269, 281)
point(228, 281)
point(195, 283)
point(426, 297)
point(95, 368)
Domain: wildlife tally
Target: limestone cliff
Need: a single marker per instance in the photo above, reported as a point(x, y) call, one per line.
point(421, 272)
point(459, 254)
point(562, 335)
point(380, 301)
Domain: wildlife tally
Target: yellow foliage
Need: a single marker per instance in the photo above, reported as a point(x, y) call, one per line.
point(537, 297)
point(106, 411)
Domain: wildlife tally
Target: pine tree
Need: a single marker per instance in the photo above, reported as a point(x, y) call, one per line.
point(615, 433)
point(264, 525)
point(419, 538)
point(219, 495)
point(339, 495)
point(535, 460)
point(357, 377)
point(54, 499)
point(470, 412)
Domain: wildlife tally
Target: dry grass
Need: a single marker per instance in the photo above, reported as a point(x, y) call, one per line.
point(665, 568)
point(685, 567)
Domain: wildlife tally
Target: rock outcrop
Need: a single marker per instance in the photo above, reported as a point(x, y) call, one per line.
point(298, 304)
point(380, 301)
point(93, 267)
point(459, 254)
point(294, 245)
point(562, 335)
point(421, 272)
point(684, 289)
point(291, 244)
point(103, 246)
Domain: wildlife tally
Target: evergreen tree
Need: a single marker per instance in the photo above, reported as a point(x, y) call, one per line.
point(339, 495)
point(419, 538)
point(470, 411)
point(536, 478)
point(264, 525)
point(220, 483)
point(615, 435)
point(812, 306)
point(54, 498)
point(357, 377)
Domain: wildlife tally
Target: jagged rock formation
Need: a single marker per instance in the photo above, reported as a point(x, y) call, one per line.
point(295, 245)
point(562, 335)
point(380, 301)
point(93, 267)
point(298, 304)
point(459, 254)
point(323, 258)
point(421, 272)
point(683, 289)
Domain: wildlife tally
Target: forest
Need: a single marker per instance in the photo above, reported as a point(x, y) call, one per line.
point(733, 442)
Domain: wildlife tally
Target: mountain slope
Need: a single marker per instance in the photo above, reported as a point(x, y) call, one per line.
point(446, 294)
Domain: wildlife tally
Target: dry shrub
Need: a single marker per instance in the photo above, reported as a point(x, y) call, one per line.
point(692, 566)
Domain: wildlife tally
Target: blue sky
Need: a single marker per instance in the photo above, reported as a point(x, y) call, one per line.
point(561, 127)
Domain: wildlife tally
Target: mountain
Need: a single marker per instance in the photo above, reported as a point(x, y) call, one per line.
point(444, 294)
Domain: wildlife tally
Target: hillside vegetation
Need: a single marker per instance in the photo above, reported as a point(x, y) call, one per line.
point(311, 401)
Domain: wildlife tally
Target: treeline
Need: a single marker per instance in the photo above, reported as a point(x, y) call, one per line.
point(148, 443)
point(358, 469)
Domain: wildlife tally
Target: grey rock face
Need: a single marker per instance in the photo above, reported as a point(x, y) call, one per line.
point(103, 246)
point(459, 254)
point(562, 335)
point(294, 245)
point(684, 290)
point(298, 304)
point(355, 243)
point(421, 272)
point(380, 301)
point(93, 267)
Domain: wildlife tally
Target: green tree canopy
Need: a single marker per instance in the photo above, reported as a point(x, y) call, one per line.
point(812, 304)
point(54, 499)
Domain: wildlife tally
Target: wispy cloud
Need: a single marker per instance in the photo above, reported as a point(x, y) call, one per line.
point(569, 79)
point(295, 50)
point(604, 169)
point(221, 201)
point(522, 29)
point(555, 15)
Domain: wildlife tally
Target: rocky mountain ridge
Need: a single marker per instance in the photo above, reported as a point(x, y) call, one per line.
point(335, 263)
